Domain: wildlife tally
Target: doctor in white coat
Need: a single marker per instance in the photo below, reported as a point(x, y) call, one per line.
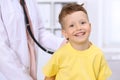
point(14, 53)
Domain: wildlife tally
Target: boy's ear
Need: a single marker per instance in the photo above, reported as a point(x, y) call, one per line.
point(90, 26)
point(64, 33)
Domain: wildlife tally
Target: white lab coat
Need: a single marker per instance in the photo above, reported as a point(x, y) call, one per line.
point(14, 54)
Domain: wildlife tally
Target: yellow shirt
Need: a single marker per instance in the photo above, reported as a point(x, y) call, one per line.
point(70, 64)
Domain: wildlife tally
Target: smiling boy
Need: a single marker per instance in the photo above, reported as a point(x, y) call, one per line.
point(79, 59)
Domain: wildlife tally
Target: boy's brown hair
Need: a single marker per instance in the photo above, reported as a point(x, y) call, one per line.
point(70, 8)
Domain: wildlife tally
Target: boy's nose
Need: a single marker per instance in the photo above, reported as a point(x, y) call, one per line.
point(78, 27)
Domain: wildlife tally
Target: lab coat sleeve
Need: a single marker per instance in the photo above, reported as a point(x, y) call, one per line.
point(10, 66)
point(45, 38)
point(49, 40)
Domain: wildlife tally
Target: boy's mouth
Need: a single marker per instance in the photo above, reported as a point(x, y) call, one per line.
point(79, 34)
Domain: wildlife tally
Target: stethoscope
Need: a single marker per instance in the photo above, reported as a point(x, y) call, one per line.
point(29, 30)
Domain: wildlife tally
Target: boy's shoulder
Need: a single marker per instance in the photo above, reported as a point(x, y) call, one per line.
point(96, 47)
point(97, 50)
point(63, 49)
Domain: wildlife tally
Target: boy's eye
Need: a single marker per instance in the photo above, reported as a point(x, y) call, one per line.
point(83, 22)
point(71, 25)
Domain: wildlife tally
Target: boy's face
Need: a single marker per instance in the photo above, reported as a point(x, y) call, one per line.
point(76, 27)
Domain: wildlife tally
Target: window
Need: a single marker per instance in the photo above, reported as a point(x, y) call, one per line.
point(111, 24)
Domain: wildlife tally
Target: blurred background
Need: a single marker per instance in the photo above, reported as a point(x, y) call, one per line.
point(104, 16)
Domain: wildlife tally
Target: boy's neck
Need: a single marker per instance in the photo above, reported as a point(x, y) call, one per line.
point(81, 46)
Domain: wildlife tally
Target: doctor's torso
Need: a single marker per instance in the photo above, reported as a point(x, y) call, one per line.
point(14, 27)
